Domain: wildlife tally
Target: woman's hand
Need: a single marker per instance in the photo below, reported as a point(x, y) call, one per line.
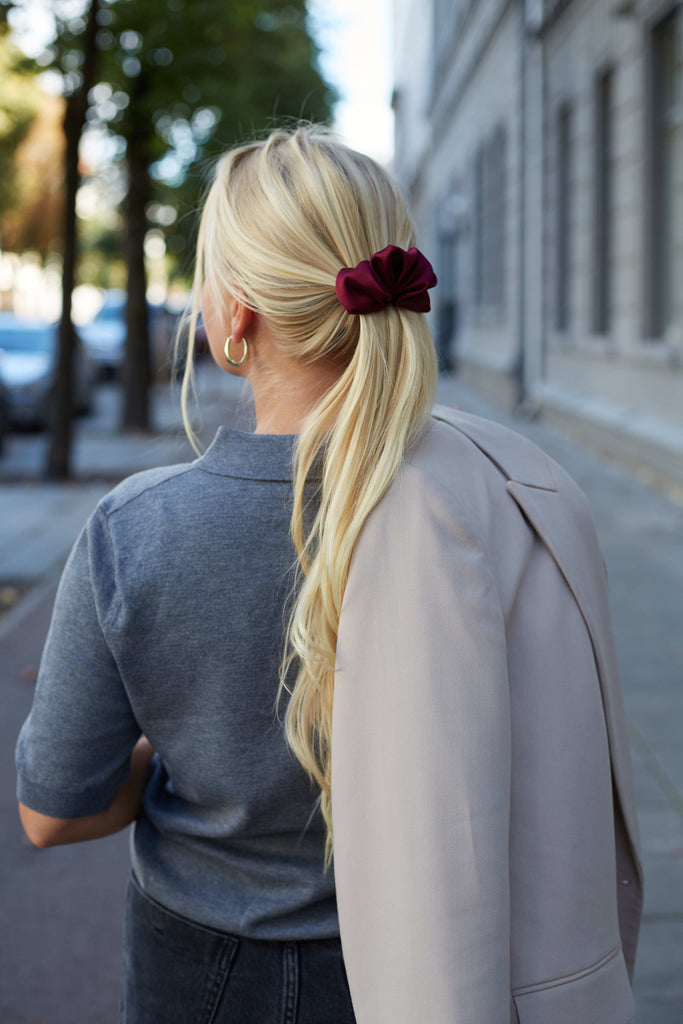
point(44, 831)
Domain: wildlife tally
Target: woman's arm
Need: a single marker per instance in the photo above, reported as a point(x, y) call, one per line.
point(74, 750)
point(44, 831)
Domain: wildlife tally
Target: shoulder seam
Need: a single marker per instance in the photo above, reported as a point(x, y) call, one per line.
point(150, 487)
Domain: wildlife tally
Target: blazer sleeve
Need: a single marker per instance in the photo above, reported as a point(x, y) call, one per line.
point(421, 769)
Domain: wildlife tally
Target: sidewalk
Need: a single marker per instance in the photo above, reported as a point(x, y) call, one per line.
point(641, 532)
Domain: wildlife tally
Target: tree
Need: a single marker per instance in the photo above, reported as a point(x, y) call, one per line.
point(176, 80)
point(77, 57)
point(193, 74)
point(73, 55)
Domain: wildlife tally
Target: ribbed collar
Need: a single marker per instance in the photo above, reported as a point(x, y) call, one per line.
point(249, 456)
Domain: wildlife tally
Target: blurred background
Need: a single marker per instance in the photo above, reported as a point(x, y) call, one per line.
point(540, 145)
point(111, 113)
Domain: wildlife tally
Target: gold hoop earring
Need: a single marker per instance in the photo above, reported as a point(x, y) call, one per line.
point(235, 362)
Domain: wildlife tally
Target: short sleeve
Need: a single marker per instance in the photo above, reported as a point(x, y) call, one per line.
point(74, 748)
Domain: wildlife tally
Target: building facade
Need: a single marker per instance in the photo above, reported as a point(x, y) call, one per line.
point(541, 145)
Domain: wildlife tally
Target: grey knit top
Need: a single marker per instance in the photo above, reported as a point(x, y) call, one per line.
point(169, 621)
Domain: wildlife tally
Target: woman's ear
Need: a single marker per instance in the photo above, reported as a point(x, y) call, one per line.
point(227, 318)
point(241, 319)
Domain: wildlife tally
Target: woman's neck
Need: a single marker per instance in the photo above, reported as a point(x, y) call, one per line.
point(284, 393)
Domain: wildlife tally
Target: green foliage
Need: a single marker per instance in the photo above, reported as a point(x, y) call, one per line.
point(191, 77)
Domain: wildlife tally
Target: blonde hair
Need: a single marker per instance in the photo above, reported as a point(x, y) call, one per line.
point(280, 220)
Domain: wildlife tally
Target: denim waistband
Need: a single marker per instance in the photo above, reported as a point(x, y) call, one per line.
point(179, 972)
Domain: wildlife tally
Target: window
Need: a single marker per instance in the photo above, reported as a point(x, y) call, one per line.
point(488, 213)
point(603, 191)
point(479, 227)
point(447, 307)
point(666, 175)
point(496, 226)
point(563, 217)
point(445, 13)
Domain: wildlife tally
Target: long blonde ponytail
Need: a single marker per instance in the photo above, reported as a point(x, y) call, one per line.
point(281, 219)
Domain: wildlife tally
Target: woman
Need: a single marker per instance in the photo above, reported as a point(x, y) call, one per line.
point(442, 581)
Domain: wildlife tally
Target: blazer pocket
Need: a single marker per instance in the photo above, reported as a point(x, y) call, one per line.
point(598, 994)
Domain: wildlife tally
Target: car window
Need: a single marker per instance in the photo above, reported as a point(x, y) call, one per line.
point(110, 314)
point(27, 339)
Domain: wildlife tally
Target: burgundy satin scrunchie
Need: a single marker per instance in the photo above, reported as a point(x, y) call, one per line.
point(393, 276)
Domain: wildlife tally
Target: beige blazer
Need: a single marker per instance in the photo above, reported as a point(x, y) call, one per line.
point(486, 842)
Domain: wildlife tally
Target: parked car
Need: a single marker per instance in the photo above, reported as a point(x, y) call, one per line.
point(28, 357)
point(105, 335)
point(178, 354)
point(4, 416)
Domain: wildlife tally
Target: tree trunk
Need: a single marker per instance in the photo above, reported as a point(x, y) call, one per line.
point(61, 412)
point(137, 371)
point(61, 409)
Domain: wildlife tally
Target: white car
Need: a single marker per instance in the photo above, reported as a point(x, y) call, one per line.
point(28, 358)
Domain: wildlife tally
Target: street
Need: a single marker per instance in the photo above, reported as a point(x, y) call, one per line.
point(62, 908)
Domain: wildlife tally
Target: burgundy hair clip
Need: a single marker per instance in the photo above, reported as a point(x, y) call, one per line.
point(392, 277)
